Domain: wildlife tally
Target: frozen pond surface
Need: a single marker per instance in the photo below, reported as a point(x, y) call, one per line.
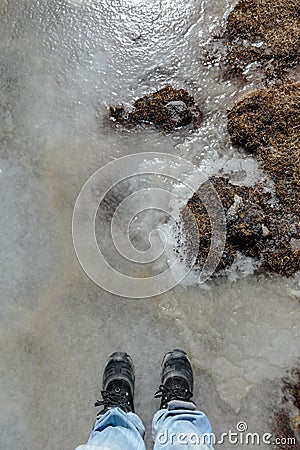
point(62, 63)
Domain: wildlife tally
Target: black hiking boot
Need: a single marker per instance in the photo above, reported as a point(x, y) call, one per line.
point(117, 383)
point(176, 378)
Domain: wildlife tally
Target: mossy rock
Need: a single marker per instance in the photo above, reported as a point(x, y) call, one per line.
point(287, 417)
point(167, 109)
point(257, 227)
point(265, 31)
point(266, 122)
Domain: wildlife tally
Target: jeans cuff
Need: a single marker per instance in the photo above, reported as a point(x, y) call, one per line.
point(180, 404)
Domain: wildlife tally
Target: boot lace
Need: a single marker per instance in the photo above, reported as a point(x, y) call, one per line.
point(114, 399)
point(168, 394)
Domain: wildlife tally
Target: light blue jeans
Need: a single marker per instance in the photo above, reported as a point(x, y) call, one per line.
point(178, 427)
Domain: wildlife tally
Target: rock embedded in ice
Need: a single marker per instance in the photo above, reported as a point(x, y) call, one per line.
point(167, 109)
point(176, 109)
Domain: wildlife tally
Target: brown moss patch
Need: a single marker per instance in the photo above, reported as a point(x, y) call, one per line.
point(265, 31)
point(257, 226)
point(267, 123)
point(287, 418)
point(167, 109)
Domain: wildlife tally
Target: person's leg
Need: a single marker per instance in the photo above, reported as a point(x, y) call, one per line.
point(117, 426)
point(178, 425)
point(116, 430)
point(181, 429)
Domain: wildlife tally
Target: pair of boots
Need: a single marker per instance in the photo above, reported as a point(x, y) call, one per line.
point(118, 381)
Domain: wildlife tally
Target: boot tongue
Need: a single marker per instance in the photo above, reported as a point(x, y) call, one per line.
point(176, 383)
point(180, 387)
point(118, 386)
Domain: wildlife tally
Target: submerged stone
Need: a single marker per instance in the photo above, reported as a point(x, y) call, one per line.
point(167, 109)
